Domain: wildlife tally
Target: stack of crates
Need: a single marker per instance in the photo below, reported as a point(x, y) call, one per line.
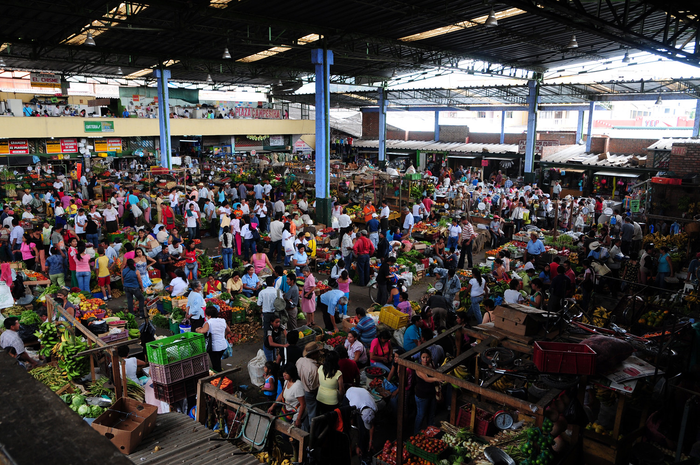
point(176, 365)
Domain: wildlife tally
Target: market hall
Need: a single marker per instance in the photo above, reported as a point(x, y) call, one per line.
point(196, 249)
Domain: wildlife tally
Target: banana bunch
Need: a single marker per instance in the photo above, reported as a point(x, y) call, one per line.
point(502, 384)
point(116, 293)
point(72, 366)
point(601, 316)
point(693, 297)
point(659, 240)
point(50, 336)
point(460, 372)
point(275, 458)
point(605, 396)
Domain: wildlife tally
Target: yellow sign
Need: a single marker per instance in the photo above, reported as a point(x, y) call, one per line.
point(53, 146)
point(108, 145)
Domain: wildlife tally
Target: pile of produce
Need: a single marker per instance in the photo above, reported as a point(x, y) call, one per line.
point(243, 332)
point(100, 388)
point(224, 310)
point(129, 318)
point(67, 349)
point(159, 321)
point(206, 265)
point(672, 242)
point(29, 317)
point(92, 305)
point(52, 289)
point(15, 310)
point(34, 276)
point(374, 371)
point(388, 454)
point(77, 404)
point(428, 444)
point(50, 335)
point(653, 318)
point(335, 341)
point(50, 375)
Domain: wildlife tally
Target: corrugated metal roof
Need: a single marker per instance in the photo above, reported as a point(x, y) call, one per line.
point(576, 155)
point(666, 143)
point(427, 146)
point(183, 440)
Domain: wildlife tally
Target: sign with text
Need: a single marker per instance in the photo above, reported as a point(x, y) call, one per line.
point(135, 98)
point(538, 145)
point(62, 146)
point(257, 113)
point(276, 140)
point(484, 163)
point(14, 147)
point(99, 126)
point(46, 80)
point(679, 150)
point(108, 145)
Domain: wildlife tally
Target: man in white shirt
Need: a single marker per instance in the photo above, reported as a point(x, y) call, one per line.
point(27, 215)
point(384, 216)
point(174, 198)
point(344, 220)
point(16, 238)
point(27, 198)
point(455, 230)
point(303, 204)
point(192, 219)
point(267, 188)
point(80, 223)
point(261, 213)
point(418, 210)
point(365, 413)
point(245, 208)
point(276, 229)
point(408, 222)
point(556, 189)
point(279, 206)
point(58, 185)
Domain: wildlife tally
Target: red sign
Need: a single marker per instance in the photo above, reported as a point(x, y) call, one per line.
point(19, 147)
point(257, 113)
point(155, 99)
point(69, 145)
point(484, 163)
point(135, 98)
point(679, 150)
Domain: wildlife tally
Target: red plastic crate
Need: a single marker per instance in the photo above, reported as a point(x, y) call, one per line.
point(562, 357)
point(174, 372)
point(425, 262)
point(483, 426)
point(154, 274)
point(177, 391)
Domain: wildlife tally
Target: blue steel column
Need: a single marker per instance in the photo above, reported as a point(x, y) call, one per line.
point(382, 125)
point(534, 90)
point(162, 77)
point(503, 127)
point(589, 133)
point(322, 59)
point(579, 126)
point(436, 135)
point(696, 121)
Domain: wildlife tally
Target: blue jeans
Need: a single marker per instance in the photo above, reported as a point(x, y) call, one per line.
point(192, 233)
point(474, 309)
point(192, 270)
point(425, 409)
point(269, 354)
point(227, 255)
point(661, 279)
point(277, 250)
point(310, 398)
point(452, 243)
point(94, 239)
point(363, 269)
point(83, 280)
point(248, 248)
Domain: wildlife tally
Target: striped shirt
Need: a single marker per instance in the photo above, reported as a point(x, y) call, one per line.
point(467, 231)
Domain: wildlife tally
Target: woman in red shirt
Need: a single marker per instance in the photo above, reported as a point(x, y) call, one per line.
point(191, 264)
point(168, 217)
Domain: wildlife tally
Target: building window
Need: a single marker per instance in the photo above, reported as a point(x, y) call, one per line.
point(509, 115)
point(482, 114)
point(558, 114)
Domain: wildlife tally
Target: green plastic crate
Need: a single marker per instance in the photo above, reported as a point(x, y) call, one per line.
point(174, 328)
point(430, 457)
point(238, 317)
point(167, 306)
point(175, 348)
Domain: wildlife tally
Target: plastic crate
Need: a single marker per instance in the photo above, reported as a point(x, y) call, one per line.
point(483, 426)
point(167, 306)
point(107, 337)
point(175, 348)
point(429, 456)
point(154, 274)
point(562, 357)
point(392, 317)
point(306, 339)
point(174, 328)
point(168, 374)
point(177, 391)
point(238, 317)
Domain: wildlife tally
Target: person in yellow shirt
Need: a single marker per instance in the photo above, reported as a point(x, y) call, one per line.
point(235, 284)
point(72, 208)
point(102, 270)
point(310, 245)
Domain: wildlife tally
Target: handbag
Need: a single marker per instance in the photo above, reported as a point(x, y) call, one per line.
point(280, 305)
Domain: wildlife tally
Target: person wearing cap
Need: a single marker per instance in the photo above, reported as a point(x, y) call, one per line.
point(307, 367)
point(310, 244)
point(535, 248)
point(363, 248)
point(373, 230)
point(365, 411)
point(408, 222)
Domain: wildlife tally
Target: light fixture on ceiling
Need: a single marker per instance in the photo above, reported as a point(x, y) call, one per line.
point(119, 71)
point(658, 100)
point(627, 58)
point(572, 42)
point(226, 55)
point(89, 40)
point(209, 79)
point(491, 21)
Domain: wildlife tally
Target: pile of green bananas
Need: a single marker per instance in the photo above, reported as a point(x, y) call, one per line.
point(73, 366)
point(51, 376)
point(50, 335)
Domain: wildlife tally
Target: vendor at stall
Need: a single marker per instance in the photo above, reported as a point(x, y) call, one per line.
point(365, 410)
point(10, 337)
point(330, 303)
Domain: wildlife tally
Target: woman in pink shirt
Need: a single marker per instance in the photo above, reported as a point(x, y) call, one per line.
point(130, 253)
point(82, 267)
point(28, 249)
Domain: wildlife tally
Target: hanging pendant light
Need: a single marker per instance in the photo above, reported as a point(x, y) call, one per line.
point(491, 21)
point(572, 42)
point(119, 71)
point(627, 58)
point(209, 79)
point(226, 55)
point(89, 40)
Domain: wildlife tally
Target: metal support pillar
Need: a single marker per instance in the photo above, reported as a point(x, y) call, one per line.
point(503, 127)
point(589, 132)
point(162, 77)
point(534, 90)
point(696, 121)
point(382, 126)
point(322, 59)
point(436, 136)
point(579, 126)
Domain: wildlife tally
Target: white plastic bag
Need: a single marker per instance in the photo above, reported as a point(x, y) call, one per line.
point(256, 369)
point(6, 299)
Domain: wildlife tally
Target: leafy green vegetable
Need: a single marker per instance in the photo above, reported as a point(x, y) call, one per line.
point(84, 410)
point(160, 321)
point(29, 317)
point(78, 400)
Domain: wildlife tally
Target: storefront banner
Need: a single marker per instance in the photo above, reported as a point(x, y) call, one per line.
point(108, 145)
point(257, 113)
point(14, 147)
point(276, 140)
point(46, 80)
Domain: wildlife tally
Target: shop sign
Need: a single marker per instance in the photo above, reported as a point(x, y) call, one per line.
point(634, 206)
point(108, 145)
point(14, 147)
point(99, 126)
point(258, 113)
point(539, 144)
point(46, 80)
point(155, 99)
point(276, 140)
point(62, 146)
point(135, 98)
point(679, 150)
point(301, 146)
point(484, 163)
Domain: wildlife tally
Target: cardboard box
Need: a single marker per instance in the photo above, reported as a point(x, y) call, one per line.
point(320, 226)
point(420, 247)
point(126, 423)
point(420, 267)
point(516, 319)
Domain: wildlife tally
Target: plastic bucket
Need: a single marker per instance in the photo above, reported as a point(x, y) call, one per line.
point(185, 328)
